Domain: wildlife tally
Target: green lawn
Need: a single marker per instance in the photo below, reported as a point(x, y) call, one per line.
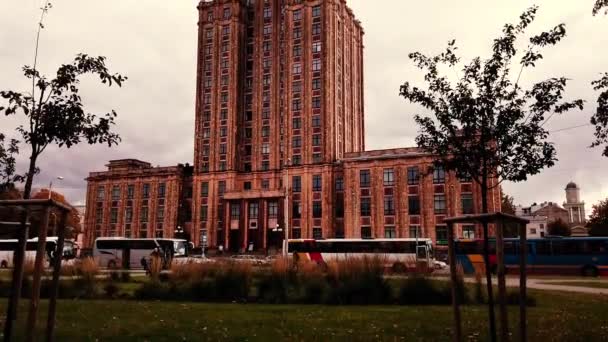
point(558, 317)
point(588, 283)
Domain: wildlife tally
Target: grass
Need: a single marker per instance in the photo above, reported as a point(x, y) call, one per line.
point(593, 284)
point(558, 317)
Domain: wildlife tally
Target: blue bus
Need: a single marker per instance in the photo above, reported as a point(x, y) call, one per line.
point(587, 256)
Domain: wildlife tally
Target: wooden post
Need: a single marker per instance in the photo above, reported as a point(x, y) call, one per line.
point(30, 329)
point(454, 278)
point(50, 325)
point(17, 281)
point(523, 335)
point(502, 288)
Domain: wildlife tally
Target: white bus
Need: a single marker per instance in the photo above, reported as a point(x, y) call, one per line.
point(398, 254)
point(8, 247)
point(135, 253)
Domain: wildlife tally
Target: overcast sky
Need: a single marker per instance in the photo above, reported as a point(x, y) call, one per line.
point(153, 42)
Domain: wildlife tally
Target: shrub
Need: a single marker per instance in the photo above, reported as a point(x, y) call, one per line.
point(88, 271)
point(358, 281)
point(153, 290)
point(419, 290)
point(111, 290)
point(155, 267)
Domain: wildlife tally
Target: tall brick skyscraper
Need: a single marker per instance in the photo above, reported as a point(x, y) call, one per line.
point(279, 119)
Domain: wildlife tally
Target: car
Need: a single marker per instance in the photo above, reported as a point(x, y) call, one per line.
point(252, 259)
point(439, 265)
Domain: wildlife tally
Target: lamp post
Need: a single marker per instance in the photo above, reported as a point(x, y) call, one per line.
point(51, 186)
point(286, 210)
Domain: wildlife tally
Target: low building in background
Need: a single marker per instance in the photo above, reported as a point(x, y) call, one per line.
point(572, 213)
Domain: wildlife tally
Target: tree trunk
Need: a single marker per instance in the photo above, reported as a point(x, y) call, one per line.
point(486, 255)
point(19, 255)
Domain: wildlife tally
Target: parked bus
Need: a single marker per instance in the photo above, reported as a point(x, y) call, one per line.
point(399, 254)
point(135, 253)
point(8, 247)
point(585, 256)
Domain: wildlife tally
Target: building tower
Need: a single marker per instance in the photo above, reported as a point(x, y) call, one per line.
point(574, 205)
point(279, 82)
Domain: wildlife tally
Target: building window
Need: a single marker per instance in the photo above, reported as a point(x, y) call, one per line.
point(317, 183)
point(467, 203)
point(143, 216)
point(129, 215)
point(364, 178)
point(225, 30)
point(316, 102)
point(130, 191)
point(296, 233)
point(223, 148)
point(145, 193)
point(366, 232)
point(265, 131)
point(296, 142)
point(317, 233)
point(101, 194)
point(224, 63)
point(265, 148)
point(206, 133)
point(221, 188)
point(297, 33)
point(267, 12)
point(297, 104)
point(115, 193)
point(316, 140)
point(316, 84)
point(227, 13)
point(273, 209)
point(441, 234)
point(297, 15)
point(296, 184)
point(316, 121)
point(253, 210)
point(209, 18)
point(162, 189)
point(160, 213)
point(296, 210)
point(297, 123)
point(235, 211)
point(389, 206)
point(468, 232)
point(339, 184)
point(317, 158)
point(316, 11)
point(317, 209)
point(99, 215)
point(267, 29)
point(413, 205)
point(316, 28)
point(438, 175)
point(316, 47)
point(297, 68)
point(440, 205)
point(114, 215)
point(390, 232)
point(413, 176)
point(366, 206)
point(316, 65)
point(415, 232)
point(297, 50)
point(296, 160)
point(389, 177)
point(204, 212)
point(265, 165)
point(265, 184)
point(266, 113)
point(247, 186)
point(464, 177)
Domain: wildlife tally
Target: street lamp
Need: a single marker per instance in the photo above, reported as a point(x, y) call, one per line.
point(286, 210)
point(51, 185)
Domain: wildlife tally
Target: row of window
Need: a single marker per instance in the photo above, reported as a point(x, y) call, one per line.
point(145, 192)
point(413, 177)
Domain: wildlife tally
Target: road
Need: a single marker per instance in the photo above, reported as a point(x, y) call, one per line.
point(541, 284)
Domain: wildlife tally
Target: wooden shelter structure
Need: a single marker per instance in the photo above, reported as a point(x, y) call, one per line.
point(26, 208)
point(500, 220)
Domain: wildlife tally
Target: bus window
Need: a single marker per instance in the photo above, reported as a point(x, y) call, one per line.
point(543, 247)
point(510, 248)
